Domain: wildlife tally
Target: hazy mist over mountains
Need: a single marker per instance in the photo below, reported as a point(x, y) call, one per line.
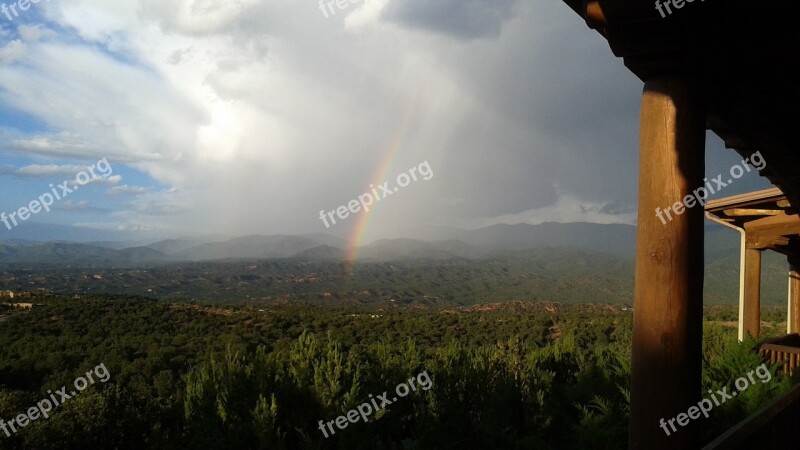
point(439, 244)
point(563, 253)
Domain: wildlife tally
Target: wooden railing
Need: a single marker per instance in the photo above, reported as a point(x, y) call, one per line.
point(772, 428)
point(785, 349)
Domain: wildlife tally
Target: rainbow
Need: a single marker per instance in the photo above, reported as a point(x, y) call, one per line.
point(393, 144)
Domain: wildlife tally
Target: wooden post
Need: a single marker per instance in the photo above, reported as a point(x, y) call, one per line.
point(668, 293)
point(793, 313)
point(750, 308)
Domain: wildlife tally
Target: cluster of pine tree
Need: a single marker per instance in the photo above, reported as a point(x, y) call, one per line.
point(186, 376)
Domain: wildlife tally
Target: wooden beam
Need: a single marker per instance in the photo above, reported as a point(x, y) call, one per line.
point(786, 224)
point(767, 241)
point(793, 310)
point(744, 212)
point(772, 232)
point(594, 14)
point(750, 307)
point(668, 293)
point(762, 197)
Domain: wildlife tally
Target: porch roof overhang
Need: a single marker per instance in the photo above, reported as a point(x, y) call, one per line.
point(768, 217)
point(743, 54)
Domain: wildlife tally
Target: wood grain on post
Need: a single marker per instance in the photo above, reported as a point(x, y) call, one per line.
point(750, 315)
point(793, 313)
point(668, 295)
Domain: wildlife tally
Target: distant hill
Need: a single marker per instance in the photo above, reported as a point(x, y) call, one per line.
point(551, 274)
point(722, 279)
point(406, 273)
point(116, 245)
point(321, 253)
point(173, 246)
point(257, 247)
point(396, 249)
point(615, 239)
point(58, 253)
point(618, 240)
point(563, 250)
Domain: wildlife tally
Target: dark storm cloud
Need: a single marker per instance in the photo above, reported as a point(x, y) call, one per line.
point(464, 19)
point(564, 115)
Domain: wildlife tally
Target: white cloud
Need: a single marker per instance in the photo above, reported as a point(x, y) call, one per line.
point(80, 181)
point(33, 33)
point(568, 208)
point(117, 226)
point(39, 170)
point(366, 14)
point(70, 205)
point(256, 114)
point(13, 51)
point(127, 190)
point(112, 180)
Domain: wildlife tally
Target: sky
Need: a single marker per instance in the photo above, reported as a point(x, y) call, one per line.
point(242, 117)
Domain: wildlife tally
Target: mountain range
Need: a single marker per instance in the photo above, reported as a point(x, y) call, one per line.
point(548, 250)
point(616, 240)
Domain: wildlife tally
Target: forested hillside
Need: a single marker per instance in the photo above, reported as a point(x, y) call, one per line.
point(561, 274)
point(517, 375)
